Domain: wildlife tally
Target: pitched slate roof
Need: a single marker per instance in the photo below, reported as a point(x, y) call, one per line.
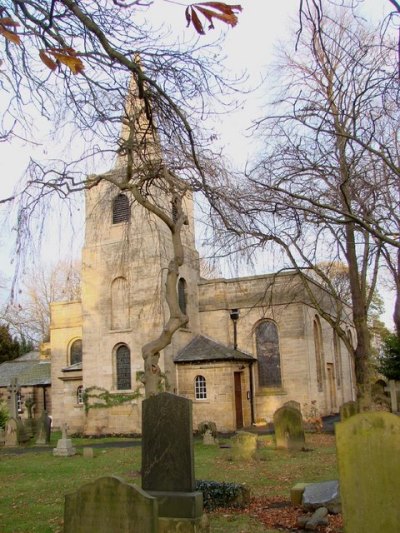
point(29, 371)
point(202, 348)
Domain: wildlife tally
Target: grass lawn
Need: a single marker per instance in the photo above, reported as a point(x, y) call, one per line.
point(32, 485)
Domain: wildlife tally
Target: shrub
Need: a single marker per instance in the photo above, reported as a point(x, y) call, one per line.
point(4, 415)
point(223, 494)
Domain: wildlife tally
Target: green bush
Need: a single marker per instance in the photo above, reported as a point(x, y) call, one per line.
point(222, 494)
point(4, 415)
point(389, 364)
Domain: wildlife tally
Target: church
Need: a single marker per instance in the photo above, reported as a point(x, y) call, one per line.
point(250, 345)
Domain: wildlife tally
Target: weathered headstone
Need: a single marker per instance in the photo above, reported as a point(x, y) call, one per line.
point(368, 450)
point(292, 403)
point(348, 409)
point(168, 462)
point(11, 434)
point(167, 444)
point(289, 429)
point(244, 446)
point(110, 505)
point(64, 445)
point(43, 429)
point(208, 438)
point(15, 433)
point(2, 437)
point(88, 452)
point(13, 389)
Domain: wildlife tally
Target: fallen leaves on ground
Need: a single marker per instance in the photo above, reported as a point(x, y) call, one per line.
point(277, 513)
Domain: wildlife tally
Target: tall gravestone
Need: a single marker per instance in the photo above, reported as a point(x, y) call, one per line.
point(110, 505)
point(13, 389)
point(289, 428)
point(368, 450)
point(43, 429)
point(168, 462)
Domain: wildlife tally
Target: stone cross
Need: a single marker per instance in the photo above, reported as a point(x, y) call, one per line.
point(13, 389)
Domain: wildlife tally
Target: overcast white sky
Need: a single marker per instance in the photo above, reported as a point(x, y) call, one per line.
point(249, 46)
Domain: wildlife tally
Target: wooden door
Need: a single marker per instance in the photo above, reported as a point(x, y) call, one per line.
point(238, 400)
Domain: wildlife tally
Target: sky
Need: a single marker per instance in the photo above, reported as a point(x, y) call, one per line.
point(249, 46)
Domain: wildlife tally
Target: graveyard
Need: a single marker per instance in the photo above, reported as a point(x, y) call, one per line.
point(33, 484)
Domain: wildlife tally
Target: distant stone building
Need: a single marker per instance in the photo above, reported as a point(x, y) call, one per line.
point(33, 374)
point(250, 345)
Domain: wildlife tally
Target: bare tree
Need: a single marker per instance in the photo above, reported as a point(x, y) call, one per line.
point(28, 314)
point(326, 186)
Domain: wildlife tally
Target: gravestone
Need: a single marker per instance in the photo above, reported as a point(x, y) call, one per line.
point(244, 446)
point(2, 436)
point(208, 438)
point(110, 505)
point(88, 452)
point(15, 433)
point(293, 403)
point(167, 444)
point(11, 433)
point(64, 445)
point(323, 494)
point(348, 409)
point(168, 463)
point(43, 429)
point(13, 389)
point(289, 429)
point(368, 451)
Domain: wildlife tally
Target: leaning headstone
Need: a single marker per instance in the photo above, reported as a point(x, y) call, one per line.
point(110, 505)
point(168, 462)
point(289, 429)
point(348, 409)
point(324, 494)
point(293, 403)
point(64, 445)
point(368, 450)
point(43, 429)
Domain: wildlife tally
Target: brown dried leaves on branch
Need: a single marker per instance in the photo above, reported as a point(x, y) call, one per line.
point(210, 11)
point(7, 27)
point(66, 56)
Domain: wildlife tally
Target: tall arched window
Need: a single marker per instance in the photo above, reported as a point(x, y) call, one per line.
point(121, 210)
point(268, 356)
point(123, 367)
point(338, 358)
point(75, 352)
point(119, 304)
point(182, 295)
point(200, 388)
point(319, 355)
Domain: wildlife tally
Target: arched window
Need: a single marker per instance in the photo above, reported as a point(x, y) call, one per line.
point(200, 388)
point(319, 355)
point(338, 358)
point(182, 295)
point(121, 210)
point(75, 352)
point(119, 304)
point(79, 395)
point(19, 402)
point(123, 367)
point(268, 356)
